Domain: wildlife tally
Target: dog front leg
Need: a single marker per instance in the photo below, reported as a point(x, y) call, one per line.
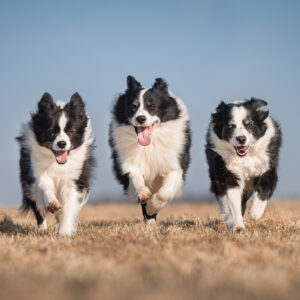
point(233, 200)
point(171, 188)
point(47, 189)
point(70, 211)
point(141, 191)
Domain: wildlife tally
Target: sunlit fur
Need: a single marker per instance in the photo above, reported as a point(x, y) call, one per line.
point(236, 178)
point(157, 170)
point(44, 181)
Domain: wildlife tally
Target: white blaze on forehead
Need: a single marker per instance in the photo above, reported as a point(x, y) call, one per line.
point(61, 104)
point(141, 101)
point(62, 122)
point(238, 115)
point(62, 136)
point(238, 101)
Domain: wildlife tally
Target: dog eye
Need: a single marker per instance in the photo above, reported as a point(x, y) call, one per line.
point(231, 126)
point(69, 130)
point(248, 123)
point(151, 106)
point(52, 132)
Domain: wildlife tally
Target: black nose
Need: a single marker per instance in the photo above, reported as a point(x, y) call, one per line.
point(141, 119)
point(241, 139)
point(61, 144)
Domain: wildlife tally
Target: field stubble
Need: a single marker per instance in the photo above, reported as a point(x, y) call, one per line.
point(188, 254)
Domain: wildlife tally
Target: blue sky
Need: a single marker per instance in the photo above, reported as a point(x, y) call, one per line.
point(206, 50)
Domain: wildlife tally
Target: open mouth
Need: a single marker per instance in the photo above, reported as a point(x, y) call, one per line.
point(61, 156)
point(144, 134)
point(241, 150)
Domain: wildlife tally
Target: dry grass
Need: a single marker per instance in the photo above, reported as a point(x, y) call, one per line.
point(188, 255)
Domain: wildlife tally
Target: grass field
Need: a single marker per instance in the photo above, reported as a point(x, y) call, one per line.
point(189, 254)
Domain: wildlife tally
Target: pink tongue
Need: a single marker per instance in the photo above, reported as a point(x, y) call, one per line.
point(144, 137)
point(61, 156)
point(243, 149)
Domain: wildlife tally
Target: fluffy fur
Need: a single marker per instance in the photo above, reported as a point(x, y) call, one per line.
point(242, 152)
point(150, 142)
point(56, 161)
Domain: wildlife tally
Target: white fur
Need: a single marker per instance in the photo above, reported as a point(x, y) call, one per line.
point(238, 115)
point(55, 182)
point(154, 169)
point(257, 208)
point(231, 201)
point(62, 136)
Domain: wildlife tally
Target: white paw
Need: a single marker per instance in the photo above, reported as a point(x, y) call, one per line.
point(143, 196)
point(236, 226)
point(66, 231)
point(150, 221)
point(154, 205)
point(257, 209)
point(53, 206)
point(43, 226)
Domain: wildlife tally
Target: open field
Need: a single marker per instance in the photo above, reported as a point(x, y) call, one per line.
point(188, 255)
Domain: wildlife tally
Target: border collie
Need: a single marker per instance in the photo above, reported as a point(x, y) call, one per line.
point(242, 152)
point(56, 161)
point(150, 142)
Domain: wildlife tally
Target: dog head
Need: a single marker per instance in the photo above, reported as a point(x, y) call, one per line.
point(145, 109)
point(60, 126)
point(240, 123)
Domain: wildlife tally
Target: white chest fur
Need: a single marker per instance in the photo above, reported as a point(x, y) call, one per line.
point(162, 156)
point(159, 158)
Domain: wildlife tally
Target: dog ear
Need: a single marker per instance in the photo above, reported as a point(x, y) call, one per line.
point(160, 84)
point(259, 106)
point(132, 84)
point(221, 107)
point(46, 103)
point(77, 106)
point(258, 103)
point(76, 100)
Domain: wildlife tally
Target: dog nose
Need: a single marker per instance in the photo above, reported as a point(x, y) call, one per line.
point(61, 144)
point(141, 119)
point(241, 139)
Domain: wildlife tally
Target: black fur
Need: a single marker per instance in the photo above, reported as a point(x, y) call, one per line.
point(145, 215)
point(84, 180)
point(122, 178)
point(221, 178)
point(185, 156)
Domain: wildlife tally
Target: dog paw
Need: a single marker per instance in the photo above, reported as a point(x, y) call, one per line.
point(53, 207)
point(240, 227)
point(143, 197)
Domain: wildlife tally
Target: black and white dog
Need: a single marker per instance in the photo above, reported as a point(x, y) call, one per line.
point(242, 152)
point(56, 161)
point(150, 142)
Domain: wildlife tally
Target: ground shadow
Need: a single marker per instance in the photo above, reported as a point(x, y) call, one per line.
point(110, 223)
point(185, 224)
point(215, 224)
point(7, 226)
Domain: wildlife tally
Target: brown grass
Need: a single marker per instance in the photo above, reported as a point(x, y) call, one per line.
point(188, 255)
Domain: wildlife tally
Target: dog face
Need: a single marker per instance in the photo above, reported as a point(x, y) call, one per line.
point(240, 123)
point(60, 127)
point(145, 109)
